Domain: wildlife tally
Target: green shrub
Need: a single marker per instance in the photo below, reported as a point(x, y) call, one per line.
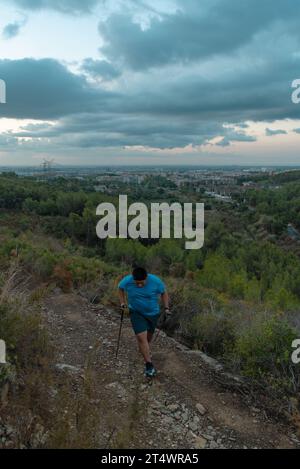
point(216, 273)
point(281, 299)
point(86, 270)
point(213, 332)
point(10, 245)
point(22, 332)
point(168, 251)
point(125, 251)
point(264, 350)
point(39, 261)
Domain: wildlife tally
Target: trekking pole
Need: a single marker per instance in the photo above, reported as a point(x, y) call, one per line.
point(120, 330)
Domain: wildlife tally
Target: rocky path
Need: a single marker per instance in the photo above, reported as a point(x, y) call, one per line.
point(183, 408)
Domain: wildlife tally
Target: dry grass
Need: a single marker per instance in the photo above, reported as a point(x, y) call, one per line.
point(29, 356)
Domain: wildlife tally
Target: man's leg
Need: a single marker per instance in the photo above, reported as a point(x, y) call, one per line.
point(149, 336)
point(142, 339)
point(152, 325)
point(150, 333)
point(140, 326)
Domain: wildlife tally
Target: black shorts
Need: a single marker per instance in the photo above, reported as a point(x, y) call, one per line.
point(141, 323)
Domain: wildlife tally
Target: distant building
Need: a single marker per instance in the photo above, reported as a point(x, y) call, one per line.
point(293, 233)
point(101, 188)
point(224, 198)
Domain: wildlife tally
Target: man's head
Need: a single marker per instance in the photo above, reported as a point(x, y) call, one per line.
point(139, 275)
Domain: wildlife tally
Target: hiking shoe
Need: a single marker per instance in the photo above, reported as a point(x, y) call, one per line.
point(150, 371)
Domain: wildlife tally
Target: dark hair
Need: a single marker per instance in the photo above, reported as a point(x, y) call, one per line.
point(139, 273)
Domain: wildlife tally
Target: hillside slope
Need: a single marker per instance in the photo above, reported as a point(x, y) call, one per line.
point(183, 408)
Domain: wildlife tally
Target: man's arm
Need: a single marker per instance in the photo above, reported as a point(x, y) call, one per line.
point(122, 297)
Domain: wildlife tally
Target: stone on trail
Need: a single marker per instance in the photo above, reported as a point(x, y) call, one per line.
point(200, 409)
point(199, 442)
point(66, 367)
point(173, 407)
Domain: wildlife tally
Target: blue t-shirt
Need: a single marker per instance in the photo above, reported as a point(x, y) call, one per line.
point(143, 299)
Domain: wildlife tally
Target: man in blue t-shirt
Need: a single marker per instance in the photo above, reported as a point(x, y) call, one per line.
point(143, 293)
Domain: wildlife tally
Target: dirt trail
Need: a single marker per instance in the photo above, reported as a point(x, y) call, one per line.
point(183, 408)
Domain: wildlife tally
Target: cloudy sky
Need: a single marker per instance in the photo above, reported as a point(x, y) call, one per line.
point(150, 81)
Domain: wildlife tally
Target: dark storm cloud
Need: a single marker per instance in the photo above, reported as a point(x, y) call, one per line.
point(176, 82)
point(270, 132)
point(45, 89)
point(84, 131)
point(100, 69)
point(185, 111)
point(89, 131)
point(195, 31)
point(256, 93)
point(64, 6)
point(7, 141)
point(12, 30)
point(235, 137)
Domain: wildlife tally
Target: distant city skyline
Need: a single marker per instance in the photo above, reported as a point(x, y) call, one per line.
point(140, 82)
